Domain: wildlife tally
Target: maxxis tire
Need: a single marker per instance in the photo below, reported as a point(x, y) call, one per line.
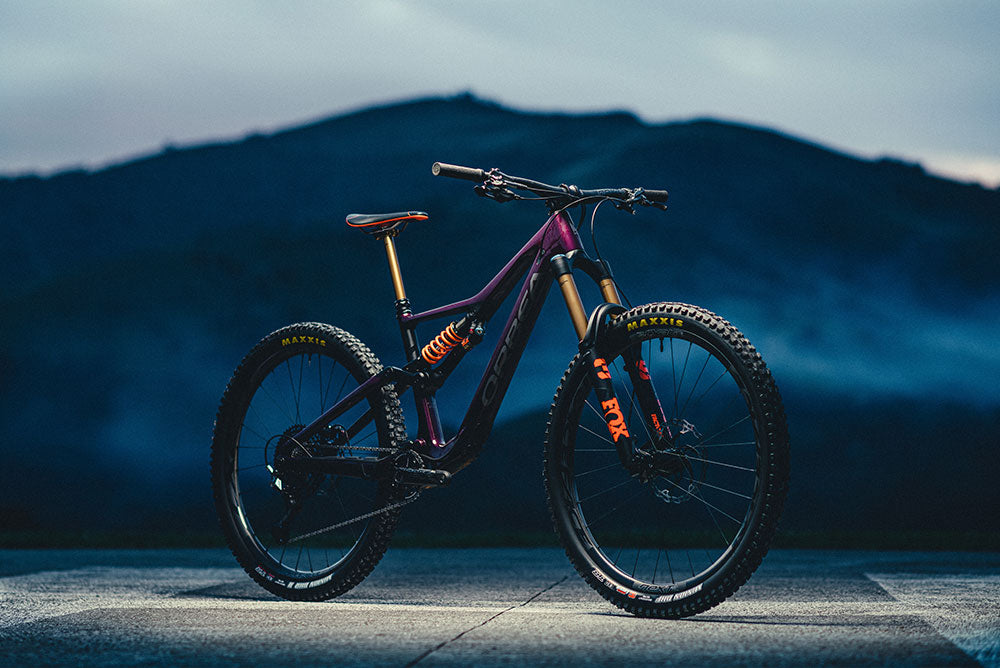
point(360, 363)
point(685, 323)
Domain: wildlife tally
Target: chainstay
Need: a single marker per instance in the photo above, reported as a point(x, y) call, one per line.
point(359, 518)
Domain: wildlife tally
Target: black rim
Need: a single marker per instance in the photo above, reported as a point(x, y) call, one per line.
point(676, 530)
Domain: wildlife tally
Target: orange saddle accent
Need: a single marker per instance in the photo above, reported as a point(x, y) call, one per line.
point(374, 223)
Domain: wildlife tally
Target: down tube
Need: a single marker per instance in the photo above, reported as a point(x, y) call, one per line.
point(492, 388)
point(560, 237)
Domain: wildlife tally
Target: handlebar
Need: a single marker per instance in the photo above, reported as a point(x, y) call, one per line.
point(457, 172)
point(496, 185)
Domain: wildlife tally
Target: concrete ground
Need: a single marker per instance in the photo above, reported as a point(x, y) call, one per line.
point(492, 607)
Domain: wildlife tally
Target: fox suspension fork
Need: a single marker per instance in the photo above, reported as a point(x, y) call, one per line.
point(655, 433)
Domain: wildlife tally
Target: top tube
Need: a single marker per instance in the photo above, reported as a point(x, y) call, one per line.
point(557, 235)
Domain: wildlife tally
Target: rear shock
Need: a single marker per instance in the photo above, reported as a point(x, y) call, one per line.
point(442, 344)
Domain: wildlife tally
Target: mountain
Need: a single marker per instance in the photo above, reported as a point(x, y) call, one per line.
point(130, 293)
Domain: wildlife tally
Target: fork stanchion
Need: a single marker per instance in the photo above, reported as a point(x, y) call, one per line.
point(609, 291)
point(564, 275)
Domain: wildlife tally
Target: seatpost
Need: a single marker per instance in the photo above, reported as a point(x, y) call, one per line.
point(397, 276)
point(402, 303)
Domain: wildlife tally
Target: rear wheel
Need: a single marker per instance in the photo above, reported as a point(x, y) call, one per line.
point(304, 536)
point(681, 535)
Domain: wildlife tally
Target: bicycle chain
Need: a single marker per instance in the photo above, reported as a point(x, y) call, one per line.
point(410, 499)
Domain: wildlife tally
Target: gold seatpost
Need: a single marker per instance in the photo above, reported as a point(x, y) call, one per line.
point(397, 276)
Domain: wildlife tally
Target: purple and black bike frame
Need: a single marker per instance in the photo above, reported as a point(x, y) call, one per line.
point(551, 254)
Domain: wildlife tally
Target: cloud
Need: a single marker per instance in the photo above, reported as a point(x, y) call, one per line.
point(91, 82)
point(962, 167)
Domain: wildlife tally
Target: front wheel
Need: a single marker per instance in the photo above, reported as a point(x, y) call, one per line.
point(681, 534)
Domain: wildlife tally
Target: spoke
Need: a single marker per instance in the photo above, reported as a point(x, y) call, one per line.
point(247, 468)
point(695, 496)
point(322, 399)
point(702, 483)
point(298, 396)
point(702, 395)
point(631, 406)
point(712, 461)
point(657, 564)
point(596, 494)
point(673, 375)
point(695, 386)
point(666, 553)
point(726, 445)
point(361, 423)
point(347, 376)
point(291, 384)
point(595, 450)
point(705, 441)
point(601, 468)
point(600, 436)
point(591, 523)
point(329, 380)
point(362, 439)
point(255, 433)
point(708, 507)
point(603, 438)
point(274, 401)
point(680, 383)
point(636, 564)
point(347, 515)
point(689, 562)
point(596, 412)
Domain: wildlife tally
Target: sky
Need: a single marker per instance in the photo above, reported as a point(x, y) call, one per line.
point(94, 82)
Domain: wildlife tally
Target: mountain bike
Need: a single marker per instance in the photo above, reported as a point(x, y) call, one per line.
point(666, 455)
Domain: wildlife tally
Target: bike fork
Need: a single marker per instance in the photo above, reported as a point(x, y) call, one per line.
point(643, 397)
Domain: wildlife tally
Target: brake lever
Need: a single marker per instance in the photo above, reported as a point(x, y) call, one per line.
point(497, 193)
point(623, 205)
point(639, 197)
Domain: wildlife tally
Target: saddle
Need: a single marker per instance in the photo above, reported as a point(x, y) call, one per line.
point(380, 223)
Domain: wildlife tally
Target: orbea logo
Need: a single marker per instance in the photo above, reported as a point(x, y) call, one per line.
point(616, 421)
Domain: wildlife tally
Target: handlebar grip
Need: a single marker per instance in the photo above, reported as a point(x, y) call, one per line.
point(457, 172)
point(656, 195)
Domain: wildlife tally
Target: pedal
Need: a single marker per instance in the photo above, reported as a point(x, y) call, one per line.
point(423, 477)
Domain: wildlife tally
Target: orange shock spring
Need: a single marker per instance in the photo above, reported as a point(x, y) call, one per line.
point(435, 351)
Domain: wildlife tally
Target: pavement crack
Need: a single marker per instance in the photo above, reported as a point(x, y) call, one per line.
point(486, 621)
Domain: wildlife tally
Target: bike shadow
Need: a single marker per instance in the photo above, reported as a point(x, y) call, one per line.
point(231, 591)
point(743, 620)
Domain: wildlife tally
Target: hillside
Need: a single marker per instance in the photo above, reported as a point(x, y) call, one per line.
point(130, 293)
